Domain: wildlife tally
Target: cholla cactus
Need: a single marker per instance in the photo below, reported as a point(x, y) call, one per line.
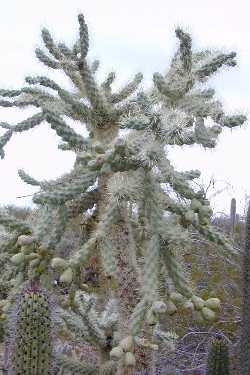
point(218, 359)
point(30, 345)
point(124, 187)
point(89, 326)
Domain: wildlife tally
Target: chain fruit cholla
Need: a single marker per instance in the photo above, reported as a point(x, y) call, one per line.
point(139, 213)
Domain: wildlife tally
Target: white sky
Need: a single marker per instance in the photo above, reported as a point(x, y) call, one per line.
point(127, 36)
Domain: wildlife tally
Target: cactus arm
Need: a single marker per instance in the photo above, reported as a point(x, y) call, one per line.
point(176, 180)
point(106, 84)
point(3, 141)
point(66, 363)
point(45, 220)
point(99, 237)
point(8, 243)
point(27, 124)
point(215, 62)
point(75, 324)
point(92, 91)
point(86, 311)
point(185, 49)
point(175, 271)
point(28, 179)
point(63, 130)
point(59, 225)
point(108, 258)
point(139, 122)
point(46, 60)
point(128, 90)
point(84, 37)
point(80, 257)
point(137, 317)
point(151, 269)
point(77, 107)
point(50, 44)
point(13, 224)
point(66, 191)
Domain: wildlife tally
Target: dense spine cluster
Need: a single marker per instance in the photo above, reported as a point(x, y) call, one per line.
point(30, 346)
point(218, 358)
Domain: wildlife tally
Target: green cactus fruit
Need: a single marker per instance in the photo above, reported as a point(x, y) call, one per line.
point(198, 302)
point(84, 156)
point(99, 149)
point(106, 168)
point(159, 307)
point(208, 314)
point(116, 353)
point(59, 264)
point(190, 216)
point(213, 303)
point(18, 259)
point(42, 266)
point(203, 220)
point(95, 164)
point(171, 307)
point(24, 240)
point(195, 205)
point(26, 250)
point(108, 156)
point(188, 306)
point(126, 344)
point(35, 262)
point(67, 276)
point(30, 346)
point(177, 298)
point(206, 211)
point(129, 359)
point(218, 358)
point(198, 317)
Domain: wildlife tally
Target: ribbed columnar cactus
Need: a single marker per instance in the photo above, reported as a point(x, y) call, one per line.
point(218, 358)
point(245, 315)
point(232, 216)
point(29, 350)
point(139, 211)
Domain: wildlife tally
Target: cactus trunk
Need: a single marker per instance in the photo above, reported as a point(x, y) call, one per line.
point(127, 291)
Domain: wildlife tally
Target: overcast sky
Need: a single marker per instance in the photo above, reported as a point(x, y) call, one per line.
point(127, 36)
